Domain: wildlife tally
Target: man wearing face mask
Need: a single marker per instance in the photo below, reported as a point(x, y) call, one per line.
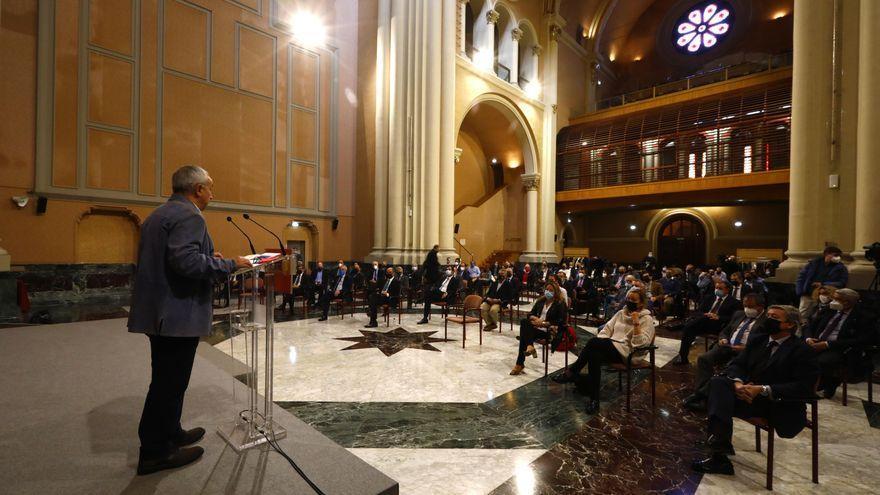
point(388, 293)
point(375, 277)
point(339, 288)
point(824, 270)
point(717, 309)
point(771, 369)
point(743, 326)
point(317, 285)
point(838, 338)
point(444, 290)
point(499, 296)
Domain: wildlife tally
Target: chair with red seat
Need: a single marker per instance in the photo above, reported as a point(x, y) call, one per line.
point(471, 305)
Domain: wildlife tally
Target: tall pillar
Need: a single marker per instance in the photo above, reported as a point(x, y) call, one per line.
point(516, 34)
point(867, 225)
point(447, 130)
point(432, 138)
point(813, 83)
point(531, 183)
point(397, 108)
point(553, 24)
point(380, 198)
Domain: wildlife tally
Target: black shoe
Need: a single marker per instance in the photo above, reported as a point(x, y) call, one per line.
point(717, 464)
point(323, 318)
point(176, 459)
point(372, 324)
point(680, 361)
point(719, 447)
point(697, 405)
point(190, 437)
point(592, 406)
point(422, 321)
point(564, 377)
point(829, 392)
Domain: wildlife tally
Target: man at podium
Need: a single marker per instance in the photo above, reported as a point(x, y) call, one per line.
point(171, 304)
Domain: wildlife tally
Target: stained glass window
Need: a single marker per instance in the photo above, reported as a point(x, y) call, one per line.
point(703, 27)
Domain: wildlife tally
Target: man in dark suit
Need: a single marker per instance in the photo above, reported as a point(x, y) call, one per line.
point(717, 308)
point(761, 382)
point(374, 277)
point(431, 266)
point(744, 325)
point(316, 288)
point(299, 286)
point(388, 293)
point(500, 295)
point(171, 304)
point(444, 290)
point(339, 288)
point(838, 337)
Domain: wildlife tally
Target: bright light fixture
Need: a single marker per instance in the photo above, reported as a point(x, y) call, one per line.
point(702, 28)
point(294, 224)
point(308, 29)
point(494, 160)
point(569, 220)
point(738, 224)
point(779, 15)
point(533, 89)
point(632, 227)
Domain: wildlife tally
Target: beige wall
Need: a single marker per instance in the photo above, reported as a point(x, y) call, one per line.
point(607, 233)
point(224, 105)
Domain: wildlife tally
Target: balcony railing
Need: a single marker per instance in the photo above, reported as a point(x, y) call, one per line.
point(736, 133)
point(719, 74)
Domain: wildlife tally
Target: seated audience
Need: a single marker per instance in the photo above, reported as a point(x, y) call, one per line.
point(374, 276)
point(339, 288)
point(732, 340)
point(299, 286)
point(716, 311)
point(548, 315)
point(629, 328)
point(759, 382)
point(838, 337)
point(500, 295)
point(444, 290)
point(388, 294)
point(823, 298)
point(316, 288)
point(824, 270)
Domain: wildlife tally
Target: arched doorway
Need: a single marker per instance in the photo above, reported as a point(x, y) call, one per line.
point(681, 240)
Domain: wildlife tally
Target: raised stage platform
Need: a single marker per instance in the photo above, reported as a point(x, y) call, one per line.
point(70, 399)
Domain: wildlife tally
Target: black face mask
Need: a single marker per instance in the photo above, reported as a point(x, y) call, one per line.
point(632, 306)
point(772, 326)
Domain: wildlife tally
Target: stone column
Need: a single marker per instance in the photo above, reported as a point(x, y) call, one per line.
point(485, 57)
point(432, 136)
point(531, 183)
point(380, 198)
point(867, 225)
point(448, 156)
point(516, 34)
point(547, 214)
point(811, 121)
point(398, 110)
point(462, 23)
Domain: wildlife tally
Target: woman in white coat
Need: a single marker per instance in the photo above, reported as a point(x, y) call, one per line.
point(629, 328)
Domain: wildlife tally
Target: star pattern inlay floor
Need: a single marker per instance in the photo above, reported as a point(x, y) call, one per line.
point(393, 341)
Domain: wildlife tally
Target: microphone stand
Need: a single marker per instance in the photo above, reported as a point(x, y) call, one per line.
point(280, 244)
point(251, 244)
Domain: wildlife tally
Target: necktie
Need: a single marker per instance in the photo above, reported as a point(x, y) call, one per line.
point(772, 346)
point(299, 277)
point(387, 284)
point(339, 285)
point(829, 328)
point(716, 305)
point(374, 274)
point(741, 331)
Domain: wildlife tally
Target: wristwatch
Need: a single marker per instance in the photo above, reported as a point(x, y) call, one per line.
point(765, 390)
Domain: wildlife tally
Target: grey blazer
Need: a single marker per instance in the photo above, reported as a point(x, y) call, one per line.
point(173, 284)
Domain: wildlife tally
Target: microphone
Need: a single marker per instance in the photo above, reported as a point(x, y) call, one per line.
point(251, 244)
point(280, 244)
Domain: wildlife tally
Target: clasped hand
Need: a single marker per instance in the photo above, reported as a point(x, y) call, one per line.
point(747, 391)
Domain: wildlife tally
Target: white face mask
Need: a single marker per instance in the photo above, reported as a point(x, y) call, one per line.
point(824, 299)
point(836, 305)
point(835, 259)
point(751, 312)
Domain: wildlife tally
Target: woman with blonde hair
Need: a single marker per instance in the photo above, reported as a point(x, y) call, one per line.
point(629, 328)
point(549, 314)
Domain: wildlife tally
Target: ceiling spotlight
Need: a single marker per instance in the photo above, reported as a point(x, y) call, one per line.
point(740, 201)
point(779, 15)
point(632, 206)
point(632, 227)
point(738, 224)
point(599, 82)
point(569, 220)
point(494, 160)
point(294, 224)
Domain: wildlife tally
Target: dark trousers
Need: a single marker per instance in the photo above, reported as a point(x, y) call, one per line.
point(376, 300)
point(724, 406)
point(528, 334)
point(706, 363)
point(596, 352)
point(288, 298)
point(433, 296)
point(314, 294)
point(831, 364)
point(172, 362)
point(700, 325)
point(326, 297)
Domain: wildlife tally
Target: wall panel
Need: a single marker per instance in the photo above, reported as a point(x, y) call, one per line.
point(108, 160)
point(110, 90)
point(110, 25)
point(256, 56)
point(186, 38)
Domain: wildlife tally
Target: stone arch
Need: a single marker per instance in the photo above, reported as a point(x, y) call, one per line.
point(525, 135)
point(652, 232)
point(106, 234)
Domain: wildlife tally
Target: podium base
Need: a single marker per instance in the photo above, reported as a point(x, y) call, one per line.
point(241, 435)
